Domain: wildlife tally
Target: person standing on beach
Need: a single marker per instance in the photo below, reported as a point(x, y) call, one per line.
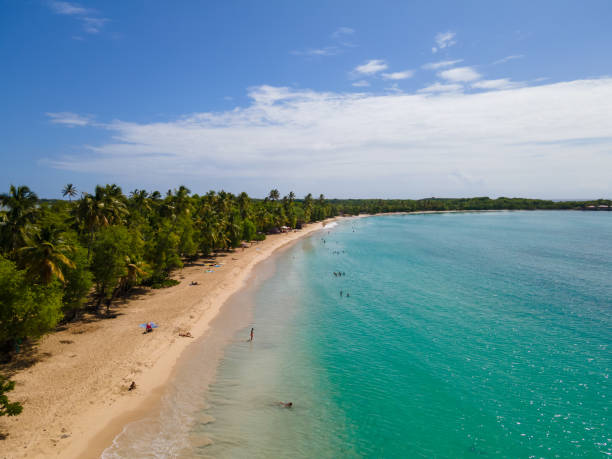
point(252, 330)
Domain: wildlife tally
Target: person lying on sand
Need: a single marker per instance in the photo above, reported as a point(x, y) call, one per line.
point(186, 334)
point(286, 404)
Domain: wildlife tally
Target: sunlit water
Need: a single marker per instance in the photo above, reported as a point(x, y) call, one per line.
point(465, 335)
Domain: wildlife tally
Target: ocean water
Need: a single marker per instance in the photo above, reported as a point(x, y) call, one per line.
point(464, 335)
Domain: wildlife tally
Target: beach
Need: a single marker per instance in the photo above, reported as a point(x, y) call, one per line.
point(75, 394)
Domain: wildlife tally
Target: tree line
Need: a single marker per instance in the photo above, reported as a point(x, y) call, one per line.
point(59, 257)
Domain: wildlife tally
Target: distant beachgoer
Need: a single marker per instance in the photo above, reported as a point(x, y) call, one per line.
point(132, 386)
point(186, 334)
point(286, 404)
point(252, 331)
point(340, 292)
point(149, 328)
point(348, 294)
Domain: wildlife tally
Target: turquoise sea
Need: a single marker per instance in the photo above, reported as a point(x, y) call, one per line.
point(464, 335)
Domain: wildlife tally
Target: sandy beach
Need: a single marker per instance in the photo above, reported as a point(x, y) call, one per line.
point(75, 394)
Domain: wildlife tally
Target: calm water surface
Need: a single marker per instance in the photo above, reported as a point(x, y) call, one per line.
point(464, 335)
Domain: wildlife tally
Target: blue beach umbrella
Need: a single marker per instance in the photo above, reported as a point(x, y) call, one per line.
point(153, 325)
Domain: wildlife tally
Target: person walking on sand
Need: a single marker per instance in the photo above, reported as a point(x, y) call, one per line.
point(252, 330)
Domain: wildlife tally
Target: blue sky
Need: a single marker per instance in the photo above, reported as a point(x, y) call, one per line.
point(347, 98)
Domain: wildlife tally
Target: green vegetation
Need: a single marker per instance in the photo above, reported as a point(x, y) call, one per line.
point(7, 408)
point(58, 257)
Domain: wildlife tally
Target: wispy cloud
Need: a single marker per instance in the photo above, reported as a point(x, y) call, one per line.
point(440, 87)
point(440, 64)
point(371, 67)
point(340, 42)
point(93, 25)
point(398, 75)
point(341, 32)
point(90, 18)
point(444, 40)
point(501, 83)
point(327, 51)
point(375, 143)
point(70, 8)
point(509, 58)
point(69, 119)
point(361, 84)
point(460, 74)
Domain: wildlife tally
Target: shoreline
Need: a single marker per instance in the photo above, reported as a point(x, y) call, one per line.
point(82, 421)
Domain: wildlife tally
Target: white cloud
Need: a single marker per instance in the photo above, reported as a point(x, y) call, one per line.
point(460, 74)
point(88, 17)
point(398, 75)
point(444, 40)
point(371, 67)
point(69, 8)
point(394, 88)
point(93, 25)
point(508, 58)
point(327, 51)
point(342, 32)
point(361, 84)
point(530, 141)
point(440, 64)
point(341, 42)
point(440, 87)
point(69, 119)
point(501, 83)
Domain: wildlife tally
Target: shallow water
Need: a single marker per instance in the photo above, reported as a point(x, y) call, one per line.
point(480, 334)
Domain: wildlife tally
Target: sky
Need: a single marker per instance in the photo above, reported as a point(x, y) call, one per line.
point(352, 99)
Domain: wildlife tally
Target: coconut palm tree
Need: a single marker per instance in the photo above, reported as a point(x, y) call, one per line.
point(70, 191)
point(135, 271)
point(104, 208)
point(244, 204)
point(140, 202)
point(274, 195)
point(20, 206)
point(45, 256)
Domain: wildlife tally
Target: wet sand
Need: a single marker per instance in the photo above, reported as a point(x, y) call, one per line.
point(76, 398)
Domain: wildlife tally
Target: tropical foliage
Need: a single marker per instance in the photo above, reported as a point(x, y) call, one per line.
point(59, 257)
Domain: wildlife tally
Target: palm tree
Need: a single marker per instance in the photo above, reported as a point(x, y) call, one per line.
point(70, 191)
point(140, 202)
point(274, 195)
point(243, 204)
point(44, 256)
point(181, 200)
point(135, 271)
point(20, 206)
point(104, 208)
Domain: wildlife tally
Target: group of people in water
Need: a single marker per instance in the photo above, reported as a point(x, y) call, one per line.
point(339, 274)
